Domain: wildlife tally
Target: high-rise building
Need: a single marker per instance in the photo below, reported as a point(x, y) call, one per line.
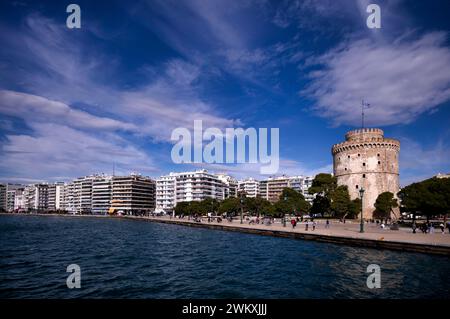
point(133, 195)
point(166, 193)
point(301, 184)
point(367, 160)
point(2, 197)
point(272, 188)
point(190, 186)
point(36, 197)
point(19, 200)
point(249, 187)
point(230, 185)
point(101, 194)
point(55, 196)
point(11, 190)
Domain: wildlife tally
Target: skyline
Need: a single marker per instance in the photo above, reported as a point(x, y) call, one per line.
point(73, 102)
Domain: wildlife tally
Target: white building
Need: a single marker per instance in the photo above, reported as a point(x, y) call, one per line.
point(55, 196)
point(101, 194)
point(231, 185)
point(188, 186)
point(36, 197)
point(250, 187)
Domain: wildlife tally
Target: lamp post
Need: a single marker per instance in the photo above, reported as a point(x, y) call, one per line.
point(361, 194)
point(284, 217)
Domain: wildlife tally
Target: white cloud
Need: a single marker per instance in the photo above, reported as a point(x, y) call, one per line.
point(56, 150)
point(33, 108)
point(401, 80)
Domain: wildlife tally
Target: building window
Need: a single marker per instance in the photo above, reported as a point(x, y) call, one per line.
point(357, 186)
point(349, 156)
point(378, 155)
point(364, 175)
point(346, 168)
point(379, 162)
point(364, 164)
point(359, 155)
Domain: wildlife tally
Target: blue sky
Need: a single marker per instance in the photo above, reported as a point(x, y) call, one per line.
point(75, 101)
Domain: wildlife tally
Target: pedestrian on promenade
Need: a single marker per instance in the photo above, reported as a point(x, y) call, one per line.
point(442, 228)
point(314, 225)
point(306, 225)
point(293, 223)
point(431, 228)
point(414, 227)
point(327, 224)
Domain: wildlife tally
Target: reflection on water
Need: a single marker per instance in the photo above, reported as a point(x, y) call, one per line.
point(135, 259)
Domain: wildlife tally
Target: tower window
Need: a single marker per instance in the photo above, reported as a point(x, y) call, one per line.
point(364, 175)
point(359, 155)
point(349, 156)
point(346, 168)
point(364, 164)
point(379, 162)
point(378, 155)
point(357, 186)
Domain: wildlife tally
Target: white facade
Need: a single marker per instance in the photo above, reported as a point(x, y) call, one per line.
point(36, 197)
point(101, 194)
point(231, 185)
point(186, 187)
point(250, 187)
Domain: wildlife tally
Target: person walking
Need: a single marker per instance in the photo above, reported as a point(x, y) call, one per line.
point(327, 224)
point(414, 227)
point(293, 223)
point(306, 225)
point(314, 225)
point(442, 228)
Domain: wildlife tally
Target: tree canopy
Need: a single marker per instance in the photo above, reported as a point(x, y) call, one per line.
point(430, 197)
point(323, 184)
point(384, 205)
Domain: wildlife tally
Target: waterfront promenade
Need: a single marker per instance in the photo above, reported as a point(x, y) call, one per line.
point(340, 233)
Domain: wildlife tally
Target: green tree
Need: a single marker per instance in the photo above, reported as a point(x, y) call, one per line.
point(321, 205)
point(430, 197)
point(230, 205)
point(340, 201)
point(209, 205)
point(182, 208)
point(324, 184)
point(384, 205)
point(354, 208)
point(290, 202)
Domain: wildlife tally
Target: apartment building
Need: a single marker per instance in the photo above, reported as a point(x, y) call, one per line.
point(19, 200)
point(231, 185)
point(2, 197)
point(133, 194)
point(165, 193)
point(190, 186)
point(272, 188)
point(36, 197)
point(101, 194)
point(55, 196)
point(249, 187)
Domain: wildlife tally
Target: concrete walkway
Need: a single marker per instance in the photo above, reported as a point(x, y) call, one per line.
point(349, 231)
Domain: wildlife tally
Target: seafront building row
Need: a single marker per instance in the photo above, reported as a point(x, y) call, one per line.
point(136, 194)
